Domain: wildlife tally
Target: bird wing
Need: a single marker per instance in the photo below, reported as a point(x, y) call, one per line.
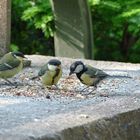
point(6, 58)
point(9, 65)
point(43, 70)
point(94, 72)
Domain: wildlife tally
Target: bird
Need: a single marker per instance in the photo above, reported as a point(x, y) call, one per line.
point(50, 73)
point(89, 75)
point(10, 65)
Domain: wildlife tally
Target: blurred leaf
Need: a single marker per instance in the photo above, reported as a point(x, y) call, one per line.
point(130, 13)
point(30, 13)
point(14, 47)
point(33, 26)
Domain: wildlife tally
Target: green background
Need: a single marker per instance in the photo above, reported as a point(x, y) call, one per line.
point(116, 28)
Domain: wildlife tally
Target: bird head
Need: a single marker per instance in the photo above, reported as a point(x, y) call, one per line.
point(54, 65)
point(76, 67)
point(18, 55)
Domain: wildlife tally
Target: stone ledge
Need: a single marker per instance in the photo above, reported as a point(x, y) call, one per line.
point(115, 117)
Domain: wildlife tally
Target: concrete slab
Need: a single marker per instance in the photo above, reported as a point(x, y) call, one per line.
point(5, 26)
point(73, 29)
point(26, 113)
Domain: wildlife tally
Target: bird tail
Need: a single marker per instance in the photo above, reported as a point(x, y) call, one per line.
point(119, 76)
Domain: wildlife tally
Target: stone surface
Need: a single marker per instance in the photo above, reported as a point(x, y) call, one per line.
point(99, 119)
point(26, 113)
point(5, 23)
point(73, 37)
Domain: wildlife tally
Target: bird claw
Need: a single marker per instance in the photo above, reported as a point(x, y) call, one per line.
point(53, 87)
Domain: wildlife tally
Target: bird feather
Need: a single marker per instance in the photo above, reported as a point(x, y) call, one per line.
point(9, 65)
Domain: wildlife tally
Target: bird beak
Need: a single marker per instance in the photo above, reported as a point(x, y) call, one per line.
point(25, 57)
point(70, 73)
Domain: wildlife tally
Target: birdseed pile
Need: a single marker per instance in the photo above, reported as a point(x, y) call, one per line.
point(70, 86)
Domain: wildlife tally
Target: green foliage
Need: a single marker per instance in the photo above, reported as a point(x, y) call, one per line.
point(116, 26)
point(14, 47)
point(39, 14)
point(32, 26)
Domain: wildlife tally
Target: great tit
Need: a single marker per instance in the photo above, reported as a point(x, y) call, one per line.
point(89, 75)
point(11, 64)
point(50, 73)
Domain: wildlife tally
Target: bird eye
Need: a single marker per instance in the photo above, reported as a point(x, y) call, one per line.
point(72, 68)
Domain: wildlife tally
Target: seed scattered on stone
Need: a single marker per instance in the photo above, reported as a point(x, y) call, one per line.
point(48, 96)
point(84, 116)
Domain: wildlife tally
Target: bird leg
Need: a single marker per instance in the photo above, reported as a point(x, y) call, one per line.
point(95, 87)
point(92, 90)
point(52, 88)
point(57, 87)
point(10, 82)
point(84, 88)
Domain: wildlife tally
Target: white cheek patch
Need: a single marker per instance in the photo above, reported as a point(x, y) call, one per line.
point(78, 69)
point(52, 67)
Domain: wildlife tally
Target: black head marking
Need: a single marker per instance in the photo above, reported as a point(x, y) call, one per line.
point(20, 54)
point(54, 62)
point(75, 65)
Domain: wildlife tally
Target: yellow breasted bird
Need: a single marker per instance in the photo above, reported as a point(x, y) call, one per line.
point(11, 64)
point(89, 75)
point(50, 73)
